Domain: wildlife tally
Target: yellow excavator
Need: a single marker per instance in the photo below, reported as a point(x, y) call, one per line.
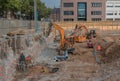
point(80, 33)
point(64, 42)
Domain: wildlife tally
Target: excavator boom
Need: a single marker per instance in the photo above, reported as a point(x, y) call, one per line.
point(62, 34)
point(79, 33)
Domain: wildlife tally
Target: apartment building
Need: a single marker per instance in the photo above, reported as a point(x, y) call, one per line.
point(83, 10)
point(113, 10)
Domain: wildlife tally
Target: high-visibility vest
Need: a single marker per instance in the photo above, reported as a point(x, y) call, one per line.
point(28, 58)
point(99, 48)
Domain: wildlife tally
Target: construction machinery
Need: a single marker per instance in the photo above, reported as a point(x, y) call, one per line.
point(65, 43)
point(64, 57)
point(91, 34)
point(80, 33)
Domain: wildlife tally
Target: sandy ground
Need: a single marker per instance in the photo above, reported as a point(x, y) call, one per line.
point(80, 66)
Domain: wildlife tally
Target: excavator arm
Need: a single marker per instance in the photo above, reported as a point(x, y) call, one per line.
point(79, 33)
point(79, 29)
point(64, 43)
point(62, 35)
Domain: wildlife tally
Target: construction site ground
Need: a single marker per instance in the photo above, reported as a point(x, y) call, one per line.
point(80, 66)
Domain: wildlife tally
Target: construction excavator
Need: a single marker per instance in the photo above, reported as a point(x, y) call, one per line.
point(80, 33)
point(65, 43)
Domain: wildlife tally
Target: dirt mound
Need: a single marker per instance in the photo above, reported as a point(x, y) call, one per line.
point(111, 54)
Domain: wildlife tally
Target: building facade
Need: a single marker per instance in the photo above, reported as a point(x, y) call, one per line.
point(55, 14)
point(113, 10)
point(83, 10)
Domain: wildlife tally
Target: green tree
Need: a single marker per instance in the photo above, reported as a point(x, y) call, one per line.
point(9, 6)
point(43, 10)
point(25, 6)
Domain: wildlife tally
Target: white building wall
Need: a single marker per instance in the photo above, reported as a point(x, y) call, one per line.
point(113, 10)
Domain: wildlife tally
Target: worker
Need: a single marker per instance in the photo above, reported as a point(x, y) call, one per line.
point(95, 53)
point(28, 60)
point(97, 50)
point(22, 61)
point(98, 47)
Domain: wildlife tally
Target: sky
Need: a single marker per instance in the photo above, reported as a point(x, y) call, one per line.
point(52, 3)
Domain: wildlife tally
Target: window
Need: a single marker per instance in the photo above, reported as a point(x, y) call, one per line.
point(81, 14)
point(68, 13)
point(96, 13)
point(117, 19)
point(117, 6)
point(109, 6)
point(110, 19)
point(109, 13)
point(96, 4)
point(115, 13)
point(68, 19)
point(68, 5)
point(81, 6)
point(82, 11)
point(96, 19)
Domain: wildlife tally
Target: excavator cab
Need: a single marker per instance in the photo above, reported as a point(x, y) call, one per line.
point(91, 34)
point(79, 34)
